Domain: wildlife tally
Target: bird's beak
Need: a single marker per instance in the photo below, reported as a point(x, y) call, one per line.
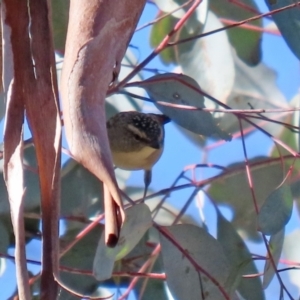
point(163, 119)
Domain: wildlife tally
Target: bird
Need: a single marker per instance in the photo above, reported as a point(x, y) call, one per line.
point(136, 141)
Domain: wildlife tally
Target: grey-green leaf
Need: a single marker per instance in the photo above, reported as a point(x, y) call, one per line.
point(178, 11)
point(207, 63)
point(80, 256)
point(241, 261)
point(160, 29)
point(276, 210)
point(288, 22)
point(60, 18)
point(275, 245)
point(4, 242)
point(138, 220)
point(254, 87)
point(291, 252)
point(179, 89)
point(247, 43)
point(233, 190)
point(184, 280)
point(81, 191)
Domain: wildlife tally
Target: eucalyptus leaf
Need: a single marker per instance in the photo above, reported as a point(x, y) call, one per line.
point(275, 245)
point(175, 6)
point(4, 241)
point(241, 261)
point(155, 289)
point(81, 191)
point(194, 25)
point(291, 251)
point(247, 43)
point(133, 262)
point(166, 213)
point(137, 222)
point(233, 189)
point(158, 31)
point(276, 211)
point(295, 188)
point(179, 89)
point(80, 256)
point(184, 280)
point(291, 139)
point(168, 6)
point(210, 64)
point(255, 87)
point(60, 19)
point(288, 22)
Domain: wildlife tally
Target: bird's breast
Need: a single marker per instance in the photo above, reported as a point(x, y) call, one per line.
point(144, 159)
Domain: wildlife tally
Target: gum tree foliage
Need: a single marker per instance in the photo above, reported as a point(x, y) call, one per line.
point(211, 81)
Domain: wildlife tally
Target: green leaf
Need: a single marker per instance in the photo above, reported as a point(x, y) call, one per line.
point(233, 189)
point(155, 289)
point(247, 43)
point(291, 252)
point(193, 26)
point(145, 289)
point(60, 19)
point(158, 32)
point(133, 262)
point(295, 188)
point(80, 257)
point(166, 214)
point(289, 137)
point(32, 226)
point(276, 210)
point(175, 7)
point(180, 89)
point(209, 61)
point(137, 222)
point(182, 277)
point(4, 241)
point(255, 87)
point(241, 261)
point(81, 191)
point(288, 22)
point(275, 245)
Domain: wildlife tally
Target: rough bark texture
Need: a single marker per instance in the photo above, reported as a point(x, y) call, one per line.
point(98, 36)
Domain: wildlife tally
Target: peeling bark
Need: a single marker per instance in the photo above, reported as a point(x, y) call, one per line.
point(98, 36)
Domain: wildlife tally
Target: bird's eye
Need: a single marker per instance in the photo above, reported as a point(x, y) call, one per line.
point(137, 137)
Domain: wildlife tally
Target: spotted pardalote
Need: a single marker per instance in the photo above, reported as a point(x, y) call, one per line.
point(136, 140)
